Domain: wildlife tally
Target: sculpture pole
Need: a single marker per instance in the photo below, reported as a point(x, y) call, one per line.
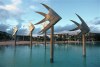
point(15, 29)
point(14, 55)
point(53, 18)
point(15, 39)
point(84, 46)
point(44, 25)
point(52, 44)
point(45, 39)
point(31, 38)
point(31, 28)
point(84, 29)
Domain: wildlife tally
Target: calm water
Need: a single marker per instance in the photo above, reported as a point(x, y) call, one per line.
point(65, 55)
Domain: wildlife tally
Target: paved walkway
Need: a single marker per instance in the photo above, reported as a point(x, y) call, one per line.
point(35, 42)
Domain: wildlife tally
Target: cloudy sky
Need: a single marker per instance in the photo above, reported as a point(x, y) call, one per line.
point(21, 12)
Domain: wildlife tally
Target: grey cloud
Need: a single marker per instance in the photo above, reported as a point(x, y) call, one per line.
point(95, 25)
point(58, 29)
point(10, 31)
point(96, 21)
point(96, 18)
point(1, 3)
point(94, 29)
point(20, 21)
point(36, 31)
point(64, 28)
point(4, 27)
point(22, 32)
point(5, 14)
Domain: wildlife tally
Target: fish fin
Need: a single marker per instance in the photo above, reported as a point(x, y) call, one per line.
point(48, 8)
point(75, 22)
point(80, 19)
point(80, 34)
point(40, 21)
point(74, 29)
point(43, 14)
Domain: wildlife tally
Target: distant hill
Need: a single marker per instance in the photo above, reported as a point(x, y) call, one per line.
point(5, 36)
point(97, 36)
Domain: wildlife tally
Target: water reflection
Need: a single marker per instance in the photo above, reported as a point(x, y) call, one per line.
point(14, 57)
point(2, 49)
point(38, 56)
point(84, 62)
point(45, 55)
point(30, 57)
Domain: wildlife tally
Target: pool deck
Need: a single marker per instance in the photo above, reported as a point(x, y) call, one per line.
point(2, 43)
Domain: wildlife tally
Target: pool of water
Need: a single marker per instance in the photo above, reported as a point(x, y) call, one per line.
point(65, 55)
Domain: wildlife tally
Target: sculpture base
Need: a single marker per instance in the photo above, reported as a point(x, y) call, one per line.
point(51, 60)
point(84, 55)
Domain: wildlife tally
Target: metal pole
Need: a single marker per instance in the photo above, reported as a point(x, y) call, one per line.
point(45, 39)
point(14, 61)
point(15, 39)
point(84, 62)
point(31, 39)
point(84, 46)
point(52, 44)
point(30, 58)
point(23, 37)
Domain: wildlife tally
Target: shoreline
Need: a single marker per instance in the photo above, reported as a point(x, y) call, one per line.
point(5, 43)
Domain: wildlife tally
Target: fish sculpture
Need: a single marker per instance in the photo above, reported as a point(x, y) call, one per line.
point(83, 26)
point(52, 17)
point(15, 29)
point(31, 28)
